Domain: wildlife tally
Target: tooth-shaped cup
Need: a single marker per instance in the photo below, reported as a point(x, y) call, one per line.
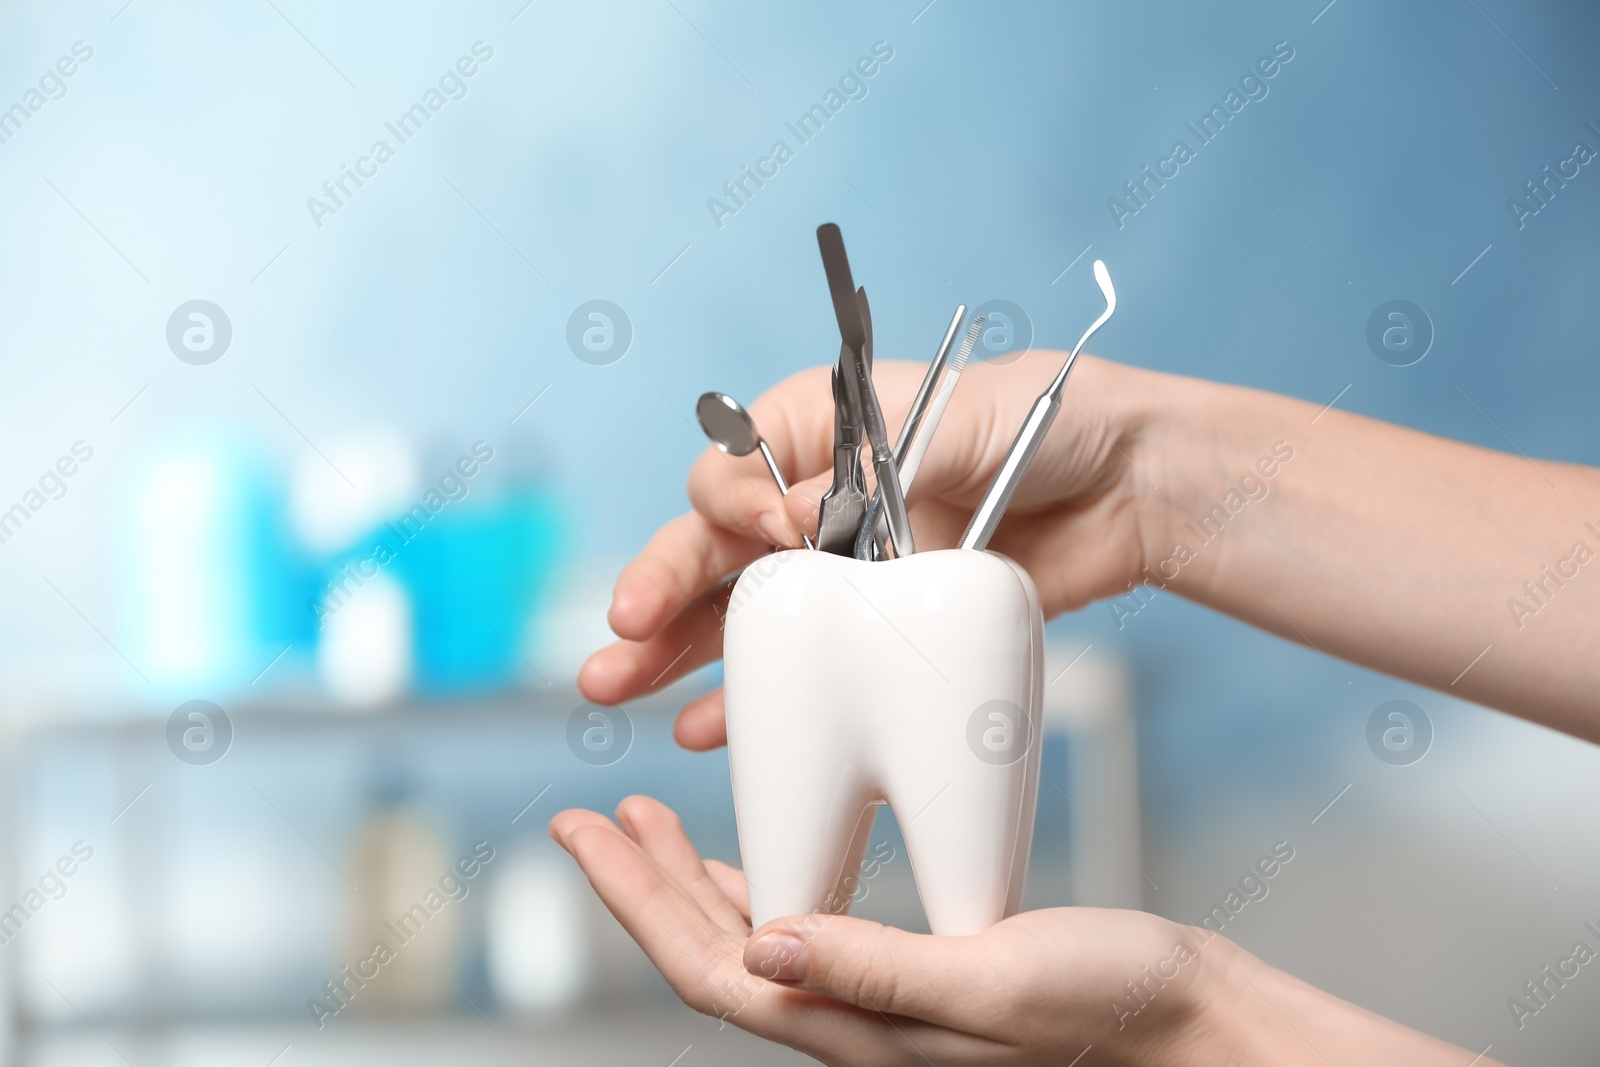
point(915, 682)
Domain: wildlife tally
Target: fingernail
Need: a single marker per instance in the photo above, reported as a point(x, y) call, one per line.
point(776, 528)
point(779, 957)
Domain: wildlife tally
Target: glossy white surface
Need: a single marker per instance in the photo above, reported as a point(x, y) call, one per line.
point(851, 684)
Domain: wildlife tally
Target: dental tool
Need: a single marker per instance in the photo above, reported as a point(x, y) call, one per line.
point(882, 458)
point(864, 546)
point(729, 426)
point(866, 325)
point(987, 517)
point(879, 544)
point(919, 404)
point(919, 446)
point(857, 375)
point(845, 502)
point(843, 505)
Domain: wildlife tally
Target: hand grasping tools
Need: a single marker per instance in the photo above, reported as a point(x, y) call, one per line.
point(1006, 480)
point(847, 524)
point(731, 429)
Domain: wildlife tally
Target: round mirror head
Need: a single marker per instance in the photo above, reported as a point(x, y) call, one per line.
point(727, 424)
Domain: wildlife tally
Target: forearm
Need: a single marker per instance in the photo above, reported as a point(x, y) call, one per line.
point(1251, 1013)
point(1391, 548)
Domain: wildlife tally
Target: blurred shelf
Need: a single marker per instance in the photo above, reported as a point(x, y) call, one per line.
point(307, 712)
point(630, 1035)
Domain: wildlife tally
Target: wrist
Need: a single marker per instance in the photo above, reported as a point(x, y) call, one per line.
point(1227, 1009)
point(1154, 425)
point(1226, 1016)
point(1204, 454)
point(1243, 1012)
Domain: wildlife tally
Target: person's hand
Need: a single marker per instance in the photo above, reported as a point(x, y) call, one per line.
point(1075, 523)
point(1037, 988)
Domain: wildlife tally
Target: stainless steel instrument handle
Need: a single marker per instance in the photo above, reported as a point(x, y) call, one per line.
point(1006, 480)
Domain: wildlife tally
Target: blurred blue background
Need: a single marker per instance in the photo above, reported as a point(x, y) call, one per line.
point(407, 328)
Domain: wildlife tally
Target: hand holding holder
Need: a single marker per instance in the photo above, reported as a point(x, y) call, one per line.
point(916, 682)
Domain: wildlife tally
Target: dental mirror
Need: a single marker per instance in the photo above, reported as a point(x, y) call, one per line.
point(729, 426)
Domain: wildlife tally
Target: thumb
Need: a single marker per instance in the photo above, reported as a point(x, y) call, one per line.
point(875, 967)
point(804, 501)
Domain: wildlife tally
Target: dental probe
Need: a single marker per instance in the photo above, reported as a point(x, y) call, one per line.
point(1043, 413)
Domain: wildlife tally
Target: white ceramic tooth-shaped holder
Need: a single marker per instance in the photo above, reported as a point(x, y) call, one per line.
point(915, 682)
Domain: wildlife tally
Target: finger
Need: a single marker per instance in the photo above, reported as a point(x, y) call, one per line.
point(938, 524)
point(702, 725)
point(656, 828)
point(739, 495)
point(564, 822)
point(731, 881)
point(795, 418)
point(628, 669)
point(701, 960)
point(878, 968)
point(895, 383)
point(694, 954)
point(1078, 532)
point(685, 559)
point(976, 432)
point(805, 500)
point(691, 554)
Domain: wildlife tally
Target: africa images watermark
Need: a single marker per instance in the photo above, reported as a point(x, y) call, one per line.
point(1252, 886)
point(453, 485)
point(52, 485)
point(1542, 988)
point(1540, 193)
point(454, 885)
point(52, 85)
point(1551, 579)
point(750, 580)
point(1248, 489)
point(52, 885)
point(1253, 88)
point(452, 85)
point(852, 85)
